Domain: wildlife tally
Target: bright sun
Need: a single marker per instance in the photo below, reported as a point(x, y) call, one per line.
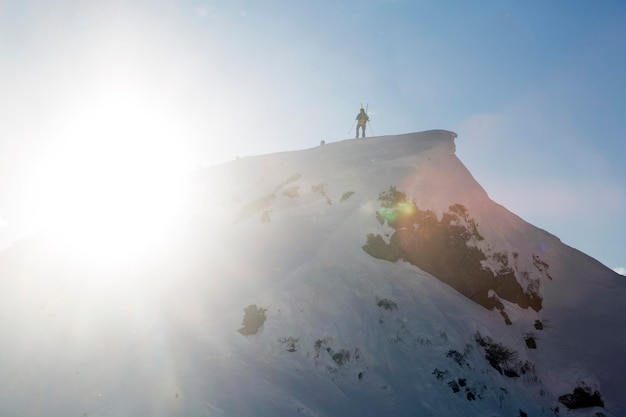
point(116, 183)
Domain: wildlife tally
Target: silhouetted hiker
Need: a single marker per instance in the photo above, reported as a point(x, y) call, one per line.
point(362, 119)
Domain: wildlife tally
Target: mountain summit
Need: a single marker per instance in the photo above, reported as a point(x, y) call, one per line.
point(370, 277)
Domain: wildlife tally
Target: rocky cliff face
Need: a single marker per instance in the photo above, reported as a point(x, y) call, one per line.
point(446, 249)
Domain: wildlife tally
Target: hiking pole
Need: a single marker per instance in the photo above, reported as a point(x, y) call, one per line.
point(370, 126)
point(351, 127)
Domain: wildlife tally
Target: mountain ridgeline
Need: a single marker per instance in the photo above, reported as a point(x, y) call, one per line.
point(371, 277)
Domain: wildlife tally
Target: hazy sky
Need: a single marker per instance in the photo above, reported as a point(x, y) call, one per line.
point(98, 96)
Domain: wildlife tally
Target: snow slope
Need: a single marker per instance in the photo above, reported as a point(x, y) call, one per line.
point(328, 329)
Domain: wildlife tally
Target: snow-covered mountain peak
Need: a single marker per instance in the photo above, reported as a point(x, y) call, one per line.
point(365, 276)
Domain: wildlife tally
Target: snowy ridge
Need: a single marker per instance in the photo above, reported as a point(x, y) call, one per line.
point(267, 303)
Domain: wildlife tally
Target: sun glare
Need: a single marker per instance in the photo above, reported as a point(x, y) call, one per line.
point(116, 183)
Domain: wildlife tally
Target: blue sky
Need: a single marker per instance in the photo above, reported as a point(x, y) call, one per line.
point(94, 92)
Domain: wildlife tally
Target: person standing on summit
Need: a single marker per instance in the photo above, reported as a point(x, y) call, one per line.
point(362, 119)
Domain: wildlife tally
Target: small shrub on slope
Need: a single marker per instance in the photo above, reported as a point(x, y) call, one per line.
point(499, 356)
point(386, 304)
point(253, 319)
point(582, 397)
